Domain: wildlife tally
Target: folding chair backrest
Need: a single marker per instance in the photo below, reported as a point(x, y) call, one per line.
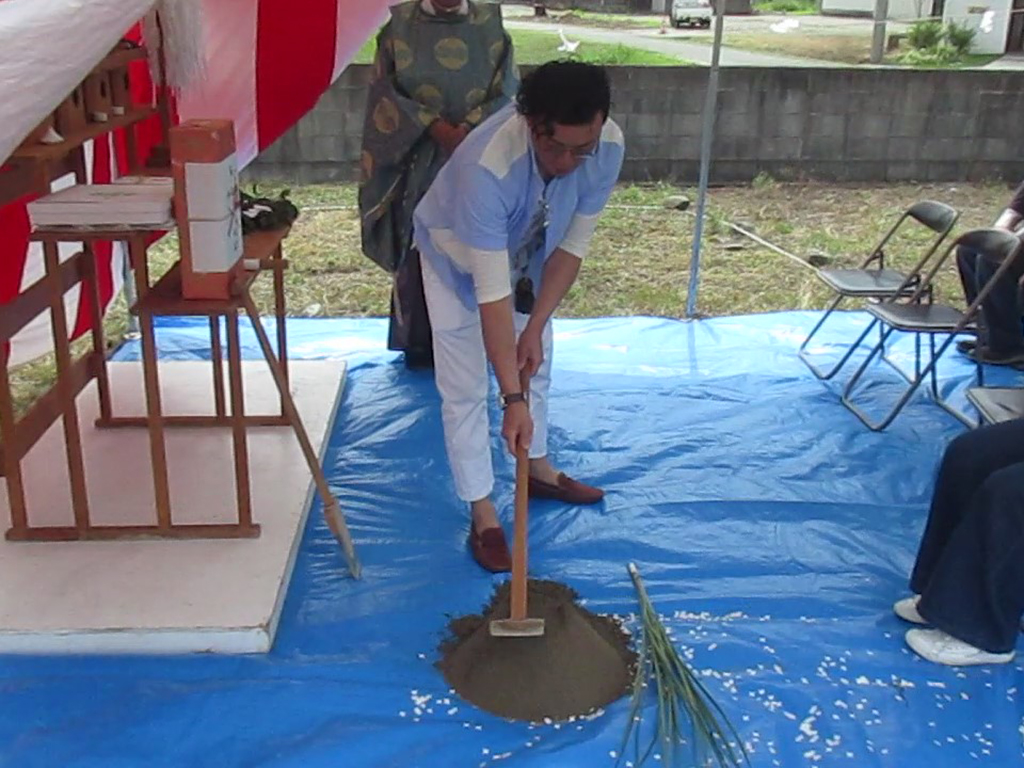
point(938, 217)
point(995, 245)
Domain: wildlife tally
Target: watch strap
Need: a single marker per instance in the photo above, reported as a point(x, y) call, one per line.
point(512, 397)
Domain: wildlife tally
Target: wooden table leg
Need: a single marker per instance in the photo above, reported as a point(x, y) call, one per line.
point(217, 359)
point(98, 345)
point(154, 416)
point(238, 423)
point(69, 411)
point(332, 512)
point(12, 451)
point(279, 312)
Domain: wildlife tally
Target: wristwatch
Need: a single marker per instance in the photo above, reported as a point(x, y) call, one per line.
point(512, 397)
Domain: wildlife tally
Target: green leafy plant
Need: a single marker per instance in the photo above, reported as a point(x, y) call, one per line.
point(925, 35)
point(940, 56)
point(763, 180)
point(681, 699)
point(960, 37)
point(787, 6)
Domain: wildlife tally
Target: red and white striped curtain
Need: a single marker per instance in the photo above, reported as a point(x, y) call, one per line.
point(267, 64)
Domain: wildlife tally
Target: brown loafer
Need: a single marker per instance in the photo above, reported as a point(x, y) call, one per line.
point(568, 490)
point(489, 549)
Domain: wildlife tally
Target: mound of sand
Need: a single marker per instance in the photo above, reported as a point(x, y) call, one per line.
point(582, 662)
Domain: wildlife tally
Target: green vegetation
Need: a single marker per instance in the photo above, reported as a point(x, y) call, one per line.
point(792, 7)
point(536, 47)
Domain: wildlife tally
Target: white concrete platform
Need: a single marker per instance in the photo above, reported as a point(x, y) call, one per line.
point(160, 596)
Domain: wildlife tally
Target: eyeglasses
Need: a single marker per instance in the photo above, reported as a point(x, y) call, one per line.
point(557, 148)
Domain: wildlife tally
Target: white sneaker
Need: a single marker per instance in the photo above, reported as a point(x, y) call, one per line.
point(906, 609)
point(935, 645)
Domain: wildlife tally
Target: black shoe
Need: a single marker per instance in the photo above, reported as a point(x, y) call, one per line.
point(1013, 358)
point(966, 346)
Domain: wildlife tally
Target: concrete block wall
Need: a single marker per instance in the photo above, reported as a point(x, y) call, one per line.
point(824, 124)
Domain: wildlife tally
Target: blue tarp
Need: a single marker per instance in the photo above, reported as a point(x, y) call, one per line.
point(773, 530)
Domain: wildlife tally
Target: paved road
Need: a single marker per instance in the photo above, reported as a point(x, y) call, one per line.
point(670, 44)
point(689, 45)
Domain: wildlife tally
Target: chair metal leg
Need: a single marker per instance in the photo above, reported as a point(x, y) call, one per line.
point(846, 398)
point(878, 426)
point(819, 372)
point(934, 376)
point(928, 371)
point(959, 415)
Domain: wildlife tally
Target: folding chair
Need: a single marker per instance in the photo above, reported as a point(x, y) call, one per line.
point(917, 317)
point(872, 280)
point(996, 404)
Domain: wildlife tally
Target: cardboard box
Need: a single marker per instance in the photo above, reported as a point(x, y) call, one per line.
point(202, 141)
point(206, 206)
point(70, 118)
point(216, 245)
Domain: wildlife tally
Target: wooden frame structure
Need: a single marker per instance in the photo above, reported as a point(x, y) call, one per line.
point(30, 170)
point(263, 250)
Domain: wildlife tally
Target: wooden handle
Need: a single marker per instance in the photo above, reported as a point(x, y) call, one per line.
point(519, 549)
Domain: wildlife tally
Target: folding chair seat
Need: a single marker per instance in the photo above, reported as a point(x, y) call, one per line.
point(918, 315)
point(996, 404)
point(873, 280)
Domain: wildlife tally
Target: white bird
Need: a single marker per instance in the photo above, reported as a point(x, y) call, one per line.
point(782, 27)
point(567, 46)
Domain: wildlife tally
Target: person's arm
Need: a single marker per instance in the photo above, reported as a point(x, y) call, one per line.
point(560, 273)
point(481, 226)
point(1011, 217)
point(500, 342)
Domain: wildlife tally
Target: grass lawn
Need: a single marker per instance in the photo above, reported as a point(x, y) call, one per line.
point(536, 47)
point(640, 260)
point(789, 7)
point(848, 49)
point(604, 20)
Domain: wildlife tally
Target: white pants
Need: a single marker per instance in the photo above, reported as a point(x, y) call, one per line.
point(463, 378)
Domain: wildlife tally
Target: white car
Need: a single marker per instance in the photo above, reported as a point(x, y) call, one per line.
point(692, 13)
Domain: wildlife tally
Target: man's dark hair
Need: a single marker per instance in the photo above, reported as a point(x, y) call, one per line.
point(564, 93)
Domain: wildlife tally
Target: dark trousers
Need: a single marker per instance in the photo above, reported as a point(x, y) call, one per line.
point(409, 329)
point(970, 567)
point(1000, 311)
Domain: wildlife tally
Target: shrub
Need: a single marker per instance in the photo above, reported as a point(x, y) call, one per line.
point(925, 35)
point(960, 37)
point(939, 56)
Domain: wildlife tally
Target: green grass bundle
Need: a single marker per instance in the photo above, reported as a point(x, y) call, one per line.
point(686, 711)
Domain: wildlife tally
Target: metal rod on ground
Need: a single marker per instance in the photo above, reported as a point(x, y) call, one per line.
point(706, 134)
point(878, 33)
point(771, 246)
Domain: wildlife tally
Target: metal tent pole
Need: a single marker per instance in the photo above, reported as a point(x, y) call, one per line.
point(706, 134)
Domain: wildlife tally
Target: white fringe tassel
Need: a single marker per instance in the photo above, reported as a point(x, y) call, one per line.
point(181, 22)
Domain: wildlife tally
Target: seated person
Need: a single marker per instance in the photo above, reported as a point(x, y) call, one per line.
point(968, 581)
point(1000, 338)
